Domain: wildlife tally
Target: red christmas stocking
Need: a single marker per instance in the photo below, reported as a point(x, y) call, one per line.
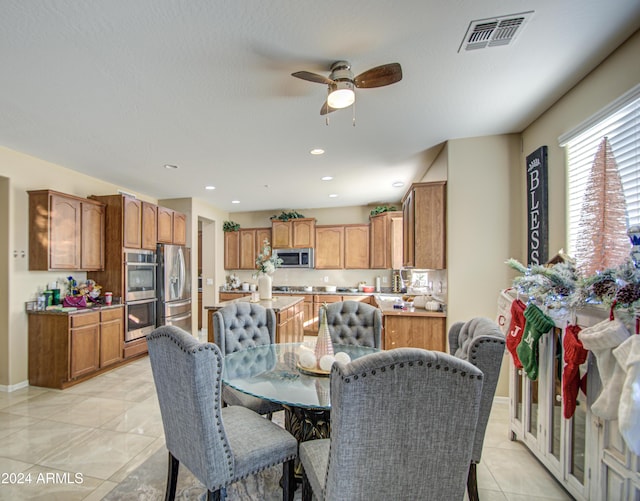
point(574, 356)
point(514, 336)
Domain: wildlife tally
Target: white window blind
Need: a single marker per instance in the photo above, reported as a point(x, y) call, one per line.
point(620, 123)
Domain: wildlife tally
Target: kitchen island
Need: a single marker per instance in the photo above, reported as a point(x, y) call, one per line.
point(289, 312)
point(416, 328)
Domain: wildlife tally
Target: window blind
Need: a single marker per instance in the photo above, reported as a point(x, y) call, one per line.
point(620, 123)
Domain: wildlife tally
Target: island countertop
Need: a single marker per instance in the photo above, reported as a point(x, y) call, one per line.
point(277, 303)
point(387, 309)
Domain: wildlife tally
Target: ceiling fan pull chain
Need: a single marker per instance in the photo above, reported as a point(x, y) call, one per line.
point(353, 118)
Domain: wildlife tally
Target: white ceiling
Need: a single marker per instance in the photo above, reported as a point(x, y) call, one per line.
point(117, 89)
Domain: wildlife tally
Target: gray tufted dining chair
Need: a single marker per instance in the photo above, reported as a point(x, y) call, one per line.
point(240, 326)
point(417, 440)
point(480, 342)
point(218, 445)
point(354, 323)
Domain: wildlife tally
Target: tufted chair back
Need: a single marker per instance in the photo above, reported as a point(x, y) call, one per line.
point(187, 378)
point(417, 440)
point(243, 325)
point(354, 323)
point(240, 326)
point(481, 342)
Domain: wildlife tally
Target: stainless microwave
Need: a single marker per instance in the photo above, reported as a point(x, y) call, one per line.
point(295, 258)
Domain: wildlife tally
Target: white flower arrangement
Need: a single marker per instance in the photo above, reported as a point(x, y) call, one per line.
point(266, 262)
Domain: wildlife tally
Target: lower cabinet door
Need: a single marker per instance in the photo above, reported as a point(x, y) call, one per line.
point(85, 350)
point(111, 339)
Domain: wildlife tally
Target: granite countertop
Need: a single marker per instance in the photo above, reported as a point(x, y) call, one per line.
point(277, 303)
point(388, 309)
point(343, 291)
point(77, 311)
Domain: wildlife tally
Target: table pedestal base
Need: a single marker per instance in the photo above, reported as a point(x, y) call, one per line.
point(306, 424)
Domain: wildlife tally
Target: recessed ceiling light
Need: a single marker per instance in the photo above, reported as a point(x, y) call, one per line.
point(209, 187)
point(327, 178)
point(333, 195)
point(235, 201)
point(398, 184)
point(170, 166)
point(317, 151)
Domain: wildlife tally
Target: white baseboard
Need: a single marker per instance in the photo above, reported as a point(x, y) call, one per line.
point(14, 387)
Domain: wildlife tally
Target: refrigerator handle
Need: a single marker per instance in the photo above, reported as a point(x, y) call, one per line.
point(180, 303)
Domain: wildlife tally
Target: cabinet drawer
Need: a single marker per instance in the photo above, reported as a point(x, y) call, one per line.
point(108, 315)
point(82, 319)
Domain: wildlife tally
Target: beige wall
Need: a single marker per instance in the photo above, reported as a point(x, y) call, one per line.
point(4, 278)
point(615, 76)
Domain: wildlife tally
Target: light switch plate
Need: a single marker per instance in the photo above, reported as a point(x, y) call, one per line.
point(209, 281)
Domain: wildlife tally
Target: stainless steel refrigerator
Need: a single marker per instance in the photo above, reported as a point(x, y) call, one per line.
point(174, 286)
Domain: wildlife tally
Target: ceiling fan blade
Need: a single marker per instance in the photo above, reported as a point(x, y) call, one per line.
point(326, 109)
point(312, 77)
point(379, 76)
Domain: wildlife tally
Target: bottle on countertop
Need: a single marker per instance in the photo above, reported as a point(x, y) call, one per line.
point(377, 284)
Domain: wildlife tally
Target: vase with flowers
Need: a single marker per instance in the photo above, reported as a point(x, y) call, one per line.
point(266, 264)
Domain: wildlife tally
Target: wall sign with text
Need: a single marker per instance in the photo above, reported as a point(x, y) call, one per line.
point(537, 207)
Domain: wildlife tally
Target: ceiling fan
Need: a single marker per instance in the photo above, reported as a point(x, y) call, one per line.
point(342, 84)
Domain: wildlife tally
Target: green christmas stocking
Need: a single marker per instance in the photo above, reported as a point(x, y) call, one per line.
point(536, 324)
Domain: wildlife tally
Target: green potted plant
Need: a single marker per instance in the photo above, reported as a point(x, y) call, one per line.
point(285, 216)
point(230, 226)
point(382, 208)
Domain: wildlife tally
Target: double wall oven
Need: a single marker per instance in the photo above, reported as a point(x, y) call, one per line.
point(140, 279)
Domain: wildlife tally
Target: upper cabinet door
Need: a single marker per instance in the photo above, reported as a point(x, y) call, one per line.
point(329, 247)
point(149, 230)
point(281, 234)
point(64, 248)
point(132, 220)
point(356, 246)
point(247, 249)
point(92, 245)
point(425, 209)
point(165, 225)
point(179, 228)
point(304, 232)
point(231, 250)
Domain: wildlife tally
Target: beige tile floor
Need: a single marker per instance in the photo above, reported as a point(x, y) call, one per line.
point(78, 444)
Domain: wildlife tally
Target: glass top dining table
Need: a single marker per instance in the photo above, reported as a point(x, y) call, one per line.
point(272, 372)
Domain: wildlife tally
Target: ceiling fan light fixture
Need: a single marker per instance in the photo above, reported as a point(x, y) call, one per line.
point(341, 95)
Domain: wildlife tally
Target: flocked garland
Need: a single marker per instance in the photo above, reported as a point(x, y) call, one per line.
point(559, 286)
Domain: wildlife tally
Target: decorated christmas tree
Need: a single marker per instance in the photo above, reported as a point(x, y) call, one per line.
point(602, 236)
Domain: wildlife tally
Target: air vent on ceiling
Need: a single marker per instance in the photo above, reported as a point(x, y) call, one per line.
point(494, 32)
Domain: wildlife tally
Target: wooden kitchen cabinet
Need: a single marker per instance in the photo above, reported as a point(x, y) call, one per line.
point(329, 250)
point(424, 332)
point(356, 246)
point(295, 233)
point(386, 240)
point(289, 323)
point(111, 336)
point(424, 221)
point(172, 226)
point(241, 248)
point(68, 348)
point(262, 234)
point(85, 344)
point(149, 226)
point(131, 221)
point(92, 236)
point(65, 232)
point(231, 250)
point(247, 249)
